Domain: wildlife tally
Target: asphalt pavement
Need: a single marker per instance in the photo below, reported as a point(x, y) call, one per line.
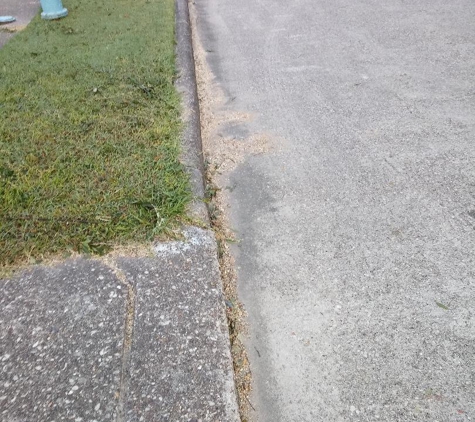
point(356, 254)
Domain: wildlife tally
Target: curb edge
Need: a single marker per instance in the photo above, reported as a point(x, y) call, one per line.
point(192, 158)
point(192, 152)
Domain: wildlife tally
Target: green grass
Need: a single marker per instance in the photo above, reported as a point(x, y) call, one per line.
point(89, 130)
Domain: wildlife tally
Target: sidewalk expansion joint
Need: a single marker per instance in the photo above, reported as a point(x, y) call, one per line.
point(128, 337)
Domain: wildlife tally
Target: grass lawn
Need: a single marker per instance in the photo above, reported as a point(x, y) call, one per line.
point(89, 130)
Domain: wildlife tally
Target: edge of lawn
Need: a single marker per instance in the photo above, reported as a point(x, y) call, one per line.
point(90, 131)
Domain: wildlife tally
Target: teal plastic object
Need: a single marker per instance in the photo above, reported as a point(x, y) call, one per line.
point(7, 19)
point(53, 9)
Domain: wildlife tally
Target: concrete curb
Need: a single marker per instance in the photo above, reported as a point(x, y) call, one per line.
point(192, 155)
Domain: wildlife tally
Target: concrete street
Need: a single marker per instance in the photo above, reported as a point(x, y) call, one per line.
point(356, 261)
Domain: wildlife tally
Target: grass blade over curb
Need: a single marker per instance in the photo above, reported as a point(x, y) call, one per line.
point(89, 130)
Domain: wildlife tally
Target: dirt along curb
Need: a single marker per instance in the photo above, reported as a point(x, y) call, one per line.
point(193, 158)
point(203, 94)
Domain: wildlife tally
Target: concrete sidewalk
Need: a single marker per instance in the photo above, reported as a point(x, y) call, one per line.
point(23, 10)
point(124, 339)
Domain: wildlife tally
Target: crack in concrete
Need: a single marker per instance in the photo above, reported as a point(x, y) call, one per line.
point(128, 337)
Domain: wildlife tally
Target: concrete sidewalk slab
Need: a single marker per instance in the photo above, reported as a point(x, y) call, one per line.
point(61, 334)
point(180, 364)
point(125, 339)
point(23, 10)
